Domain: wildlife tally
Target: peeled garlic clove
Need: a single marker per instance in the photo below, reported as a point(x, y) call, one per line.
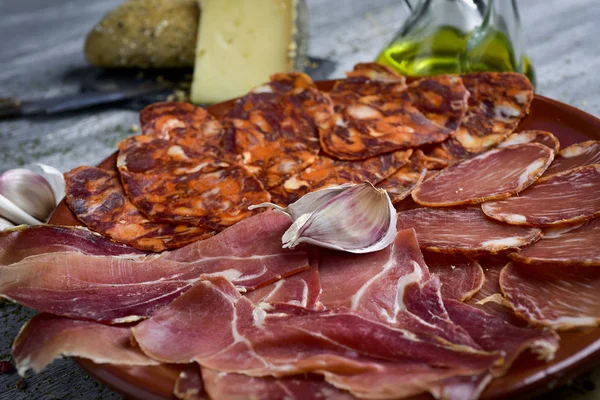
point(28, 191)
point(5, 224)
point(307, 203)
point(359, 219)
point(54, 177)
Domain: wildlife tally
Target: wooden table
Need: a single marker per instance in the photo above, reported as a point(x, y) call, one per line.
point(41, 55)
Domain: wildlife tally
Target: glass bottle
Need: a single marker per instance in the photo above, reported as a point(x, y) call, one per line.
point(458, 36)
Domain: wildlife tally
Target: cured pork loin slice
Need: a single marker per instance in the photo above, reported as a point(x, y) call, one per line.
point(184, 124)
point(97, 199)
point(565, 198)
point(21, 242)
point(498, 102)
point(224, 386)
point(495, 174)
point(553, 296)
point(392, 285)
point(460, 276)
point(533, 136)
point(274, 127)
point(576, 155)
point(173, 183)
point(126, 288)
point(45, 338)
point(570, 246)
point(436, 230)
point(326, 171)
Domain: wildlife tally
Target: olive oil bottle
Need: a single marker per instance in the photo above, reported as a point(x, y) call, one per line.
point(458, 36)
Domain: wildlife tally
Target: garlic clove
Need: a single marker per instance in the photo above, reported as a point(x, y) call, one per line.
point(29, 192)
point(307, 203)
point(5, 224)
point(54, 177)
point(14, 214)
point(359, 219)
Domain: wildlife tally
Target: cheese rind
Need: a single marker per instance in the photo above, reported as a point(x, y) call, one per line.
point(240, 44)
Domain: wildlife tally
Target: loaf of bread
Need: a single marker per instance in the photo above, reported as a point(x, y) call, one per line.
point(146, 34)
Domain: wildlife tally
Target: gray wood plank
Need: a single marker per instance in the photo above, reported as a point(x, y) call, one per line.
point(42, 56)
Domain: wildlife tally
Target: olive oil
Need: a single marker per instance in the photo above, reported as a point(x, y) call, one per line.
point(448, 50)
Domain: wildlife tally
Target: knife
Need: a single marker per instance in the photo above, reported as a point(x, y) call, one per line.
point(114, 86)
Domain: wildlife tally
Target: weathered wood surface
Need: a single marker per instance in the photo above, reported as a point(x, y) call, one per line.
point(41, 55)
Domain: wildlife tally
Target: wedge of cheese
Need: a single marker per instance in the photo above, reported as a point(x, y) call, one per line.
point(242, 42)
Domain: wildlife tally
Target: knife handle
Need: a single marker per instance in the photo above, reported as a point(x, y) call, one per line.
point(10, 107)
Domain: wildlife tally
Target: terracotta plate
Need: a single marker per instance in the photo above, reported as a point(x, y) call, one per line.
point(578, 350)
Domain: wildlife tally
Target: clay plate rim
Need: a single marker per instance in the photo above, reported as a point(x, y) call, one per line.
point(579, 350)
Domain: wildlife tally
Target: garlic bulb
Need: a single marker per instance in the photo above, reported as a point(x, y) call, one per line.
point(54, 177)
point(29, 195)
point(353, 218)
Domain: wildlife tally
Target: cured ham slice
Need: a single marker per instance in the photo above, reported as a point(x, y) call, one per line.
point(495, 174)
point(21, 242)
point(494, 334)
point(78, 285)
point(574, 245)
point(46, 338)
point(576, 155)
point(392, 285)
point(174, 183)
point(240, 337)
point(301, 289)
point(183, 123)
point(189, 384)
point(327, 171)
point(565, 198)
point(461, 277)
point(274, 127)
point(556, 297)
point(97, 199)
point(436, 230)
point(534, 136)
point(497, 103)
point(224, 386)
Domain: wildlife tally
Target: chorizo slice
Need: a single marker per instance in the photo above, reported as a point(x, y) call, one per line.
point(498, 102)
point(327, 171)
point(274, 128)
point(401, 183)
point(533, 136)
point(183, 123)
point(173, 183)
point(97, 199)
